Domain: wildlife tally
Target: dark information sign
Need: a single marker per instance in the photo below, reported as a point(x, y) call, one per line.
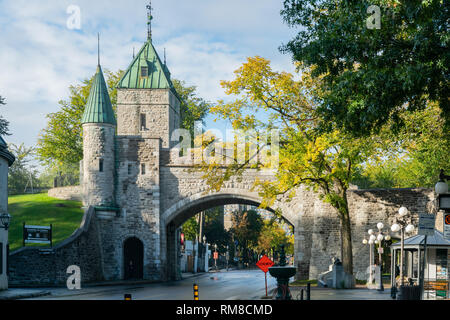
point(37, 234)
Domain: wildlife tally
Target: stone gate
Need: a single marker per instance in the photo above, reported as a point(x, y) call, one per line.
point(137, 192)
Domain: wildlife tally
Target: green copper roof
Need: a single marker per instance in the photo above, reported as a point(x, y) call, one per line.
point(157, 77)
point(98, 107)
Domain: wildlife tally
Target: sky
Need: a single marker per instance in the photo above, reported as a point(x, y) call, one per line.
point(48, 45)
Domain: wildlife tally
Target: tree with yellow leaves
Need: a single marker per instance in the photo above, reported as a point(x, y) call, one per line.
point(324, 162)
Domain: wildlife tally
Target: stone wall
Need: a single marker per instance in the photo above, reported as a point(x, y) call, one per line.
point(35, 266)
point(98, 153)
point(137, 194)
point(66, 193)
point(161, 110)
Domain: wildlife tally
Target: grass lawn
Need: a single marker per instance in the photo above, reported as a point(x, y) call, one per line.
point(301, 283)
point(41, 210)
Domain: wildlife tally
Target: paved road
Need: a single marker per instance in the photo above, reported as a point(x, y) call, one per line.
point(231, 285)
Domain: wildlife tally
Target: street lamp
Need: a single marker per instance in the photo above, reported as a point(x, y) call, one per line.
point(402, 224)
point(380, 237)
point(370, 242)
point(5, 220)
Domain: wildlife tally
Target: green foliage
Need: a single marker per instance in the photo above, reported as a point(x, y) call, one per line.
point(3, 123)
point(214, 230)
point(413, 156)
point(65, 175)
point(192, 108)
point(21, 173)
point(39, 209)
point(246, 227)
point(325, 162)
point(190, 228)
point(273, 236)
point(61, 142)
point(373, 75)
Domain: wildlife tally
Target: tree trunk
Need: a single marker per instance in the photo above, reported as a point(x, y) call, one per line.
point(346, 239)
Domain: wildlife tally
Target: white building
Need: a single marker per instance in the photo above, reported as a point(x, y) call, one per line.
point(6, 160)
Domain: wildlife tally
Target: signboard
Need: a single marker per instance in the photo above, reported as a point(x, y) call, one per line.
point(447, 226)
point(426, 224)
point(264, 263)
point(380, 250)
point(37, 234)
point(436, 285)
point(216, 255)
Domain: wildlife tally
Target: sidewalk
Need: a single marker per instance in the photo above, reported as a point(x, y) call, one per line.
point(20, 293)
point(97, 287)
point(360, 293)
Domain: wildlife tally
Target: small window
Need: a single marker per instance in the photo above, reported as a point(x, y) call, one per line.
point(143, 121)
point(100, 165)
point(143, 168)
point(144, 72)
point(129, 168)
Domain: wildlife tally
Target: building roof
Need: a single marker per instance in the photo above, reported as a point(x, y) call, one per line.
point(2, 143)
point(4, 152)
point(418, 240)
point(98, 107)
point(157, 77)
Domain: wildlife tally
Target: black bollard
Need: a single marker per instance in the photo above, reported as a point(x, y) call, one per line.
point(308, 291)
point(301, 294)
point(195, 291)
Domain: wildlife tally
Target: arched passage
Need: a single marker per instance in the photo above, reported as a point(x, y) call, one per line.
point(178, 213)
point(133, 258)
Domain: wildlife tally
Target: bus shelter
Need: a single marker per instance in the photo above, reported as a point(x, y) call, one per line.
point(436, 274)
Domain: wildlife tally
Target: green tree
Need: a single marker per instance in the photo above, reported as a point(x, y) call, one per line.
point(373, 75)
point(325, 162)
point(214, 230)
point(273, 236)
point(414, 155)
point(61, 143)
point(246, 227)
point(193, 108)
point(190, 228)
point(21, 174)
point(3, 123)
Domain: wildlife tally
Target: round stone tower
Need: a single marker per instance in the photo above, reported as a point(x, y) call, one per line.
point(99, 129)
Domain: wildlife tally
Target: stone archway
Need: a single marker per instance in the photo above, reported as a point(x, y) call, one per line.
point(178, 213)
point(133, 258)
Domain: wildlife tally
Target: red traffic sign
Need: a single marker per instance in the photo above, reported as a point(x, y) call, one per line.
point(264, 263)
point(216, 255)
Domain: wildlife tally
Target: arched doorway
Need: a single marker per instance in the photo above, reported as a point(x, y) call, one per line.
point(133, 258)
point(175, 216)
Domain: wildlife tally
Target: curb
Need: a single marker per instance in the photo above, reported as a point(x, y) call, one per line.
point(25, 295)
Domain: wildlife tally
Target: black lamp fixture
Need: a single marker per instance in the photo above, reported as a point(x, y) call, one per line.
point(441, 189)
point(4, 220)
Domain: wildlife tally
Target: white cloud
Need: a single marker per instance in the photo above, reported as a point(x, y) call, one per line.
point(206, 40)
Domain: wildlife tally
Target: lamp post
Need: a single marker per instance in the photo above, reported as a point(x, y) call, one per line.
point(402, 224)
point(370, 242)
point(5, 220)
point(379, 240)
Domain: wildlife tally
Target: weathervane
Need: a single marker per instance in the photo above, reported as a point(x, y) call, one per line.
point(149, 22)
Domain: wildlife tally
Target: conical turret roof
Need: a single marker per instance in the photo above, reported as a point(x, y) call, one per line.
point(146, 71)
point(98, 107)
